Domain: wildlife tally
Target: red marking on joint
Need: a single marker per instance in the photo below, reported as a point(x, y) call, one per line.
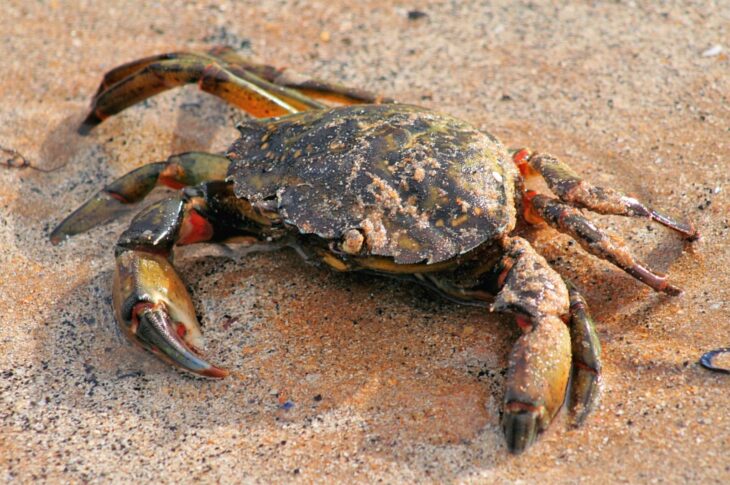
point(181, 330)
point(521, 159)
point(211, 73)
point(100, 114)
point(118, 197)
point(503, 275)
point(206, 76)
point(523, 322)
point(528, 210)
point(584, 366)
point(561, 217)
point(513, 406)
point(195, 228)
point(171, 176)
point(578, 306)
point(172, 183)
point(137, 310)
point(521, 156)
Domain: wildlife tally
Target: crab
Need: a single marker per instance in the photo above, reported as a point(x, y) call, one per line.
point(358, 182)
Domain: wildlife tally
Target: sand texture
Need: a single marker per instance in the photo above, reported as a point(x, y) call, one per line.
point(344, 377)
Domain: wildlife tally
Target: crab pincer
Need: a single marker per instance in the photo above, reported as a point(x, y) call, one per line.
point(151, 304)
point(153, 309)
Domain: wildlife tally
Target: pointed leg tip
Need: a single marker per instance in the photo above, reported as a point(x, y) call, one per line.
point(585, 395)
point(101, 208)
point(56, 239)
point(687, 230)
point(89, 123)
point(58, 235)
point(85, 128)
point(693, 235)
point(656, 281)
point(214, 372)
point(672, 290)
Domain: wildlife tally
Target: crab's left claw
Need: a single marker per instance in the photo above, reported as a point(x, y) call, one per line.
point(153, 309)
point(117, 198)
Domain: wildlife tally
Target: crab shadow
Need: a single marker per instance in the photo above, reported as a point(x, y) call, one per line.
point(374, 360)
point(317, 356)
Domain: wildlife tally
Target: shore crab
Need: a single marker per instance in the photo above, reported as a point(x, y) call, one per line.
point(362, 183)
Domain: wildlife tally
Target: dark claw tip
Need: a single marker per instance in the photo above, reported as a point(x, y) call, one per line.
point(90, 122)
point(520, 430)
point(57, 236)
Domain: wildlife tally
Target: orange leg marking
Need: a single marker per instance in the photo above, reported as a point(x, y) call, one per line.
point(521, 159)
point(528, 210)
point(523, 322)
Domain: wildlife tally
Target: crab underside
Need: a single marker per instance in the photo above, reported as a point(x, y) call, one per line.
point(361, 183)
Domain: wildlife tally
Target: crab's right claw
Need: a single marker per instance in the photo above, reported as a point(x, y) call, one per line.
point(153, 309)
point(539, 368)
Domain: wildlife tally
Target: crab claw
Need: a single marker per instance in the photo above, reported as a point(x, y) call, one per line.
point(539, 368)
point(154, 311)
point(521, 424)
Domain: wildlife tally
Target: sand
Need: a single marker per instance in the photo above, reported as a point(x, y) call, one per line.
point(346, 377)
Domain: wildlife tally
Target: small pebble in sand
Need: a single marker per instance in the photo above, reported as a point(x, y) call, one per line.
point(713, 51)
point(416, 14)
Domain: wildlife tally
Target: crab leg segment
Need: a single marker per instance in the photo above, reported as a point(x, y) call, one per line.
point(235, 88)
point(127, 69)
point(151, 304)
point(156, 76)
point(261, 90)
point(313, 88)
point(585, 386)
point(570, 221)
point(540, 361)
point(113, 200)
point(570, 188)
point(258, 75)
